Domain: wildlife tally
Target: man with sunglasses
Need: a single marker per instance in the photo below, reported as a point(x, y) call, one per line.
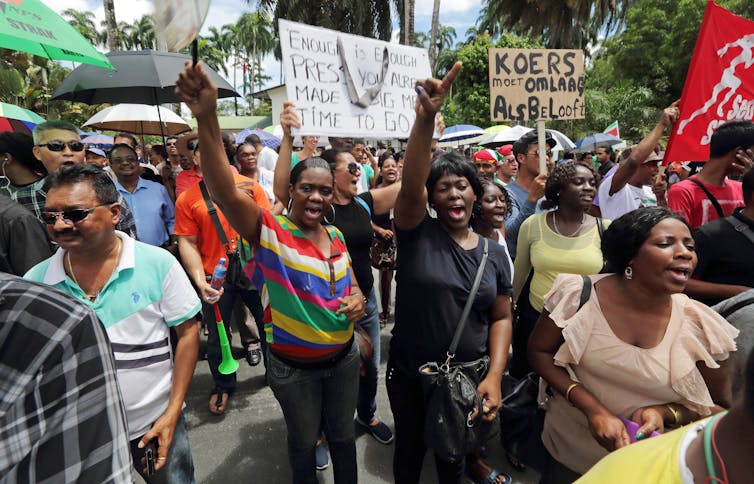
point(529, 186)
point(57, 143)
point(139, 292)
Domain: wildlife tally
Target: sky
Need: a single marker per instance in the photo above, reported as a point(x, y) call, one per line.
point(459, 14)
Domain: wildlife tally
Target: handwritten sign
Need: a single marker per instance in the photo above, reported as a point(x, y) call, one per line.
point(536, 84)
point(346, 85)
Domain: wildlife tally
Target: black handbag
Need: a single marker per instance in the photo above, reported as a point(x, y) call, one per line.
point(382, 253)
point(235, 275)
point(453, 426)
point(522, 418)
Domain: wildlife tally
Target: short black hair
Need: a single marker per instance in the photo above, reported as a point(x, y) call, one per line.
point(452, 164)
point(21, 146)
point(120, 145)
point(253, 140)
point(103, 186)
point(622, 240)
point(129, 137)
point(160, 150)
point(747, 185)
point(560, 176)
point(331, 156)
point(311, 162)
point(731, 135)
point(386, 156)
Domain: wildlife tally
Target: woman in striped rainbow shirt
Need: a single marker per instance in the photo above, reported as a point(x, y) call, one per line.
point(310, 296)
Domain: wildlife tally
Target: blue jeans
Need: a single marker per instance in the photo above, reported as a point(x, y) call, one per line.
point(251, 299)
point(179, 468)
point(367, 405)
point(309, 397)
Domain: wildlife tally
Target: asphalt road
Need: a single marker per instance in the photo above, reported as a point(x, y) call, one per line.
point(248, 442)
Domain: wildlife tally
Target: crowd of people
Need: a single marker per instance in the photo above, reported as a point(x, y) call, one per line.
point(624, 286)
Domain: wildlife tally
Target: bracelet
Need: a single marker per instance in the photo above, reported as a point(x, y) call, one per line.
point(676, 414)
point(569, 390)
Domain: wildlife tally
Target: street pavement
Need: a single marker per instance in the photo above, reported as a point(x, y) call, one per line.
point(248, 442)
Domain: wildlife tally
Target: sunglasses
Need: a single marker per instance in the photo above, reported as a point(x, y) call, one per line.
point(354, 168)
point(69, 216)
point(60, 145)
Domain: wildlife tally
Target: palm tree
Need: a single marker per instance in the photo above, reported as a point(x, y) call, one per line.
point(83, 22)
point(143, 33)
point(446, 36)
point(112, 25)
point(560, 23)
point(433, 32)
point(257, 40)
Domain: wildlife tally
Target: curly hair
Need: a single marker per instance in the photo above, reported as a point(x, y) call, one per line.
point(560, 176)
point(476, 211)
point(622, 240)
point(453, 164)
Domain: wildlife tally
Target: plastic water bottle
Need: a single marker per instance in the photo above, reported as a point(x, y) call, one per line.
point(218, 275)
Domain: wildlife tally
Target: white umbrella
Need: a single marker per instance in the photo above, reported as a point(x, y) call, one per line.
point(510, 136)
point(139, 119)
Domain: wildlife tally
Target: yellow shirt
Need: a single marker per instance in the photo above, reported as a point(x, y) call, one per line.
point(550, 254)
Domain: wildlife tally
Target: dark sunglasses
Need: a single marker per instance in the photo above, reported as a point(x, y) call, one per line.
point(69, 216)
point(354, 168)
point(60, 145)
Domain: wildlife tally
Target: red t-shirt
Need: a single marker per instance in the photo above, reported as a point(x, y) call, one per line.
point(689, 200)
point(192, 218)
point(189, 178)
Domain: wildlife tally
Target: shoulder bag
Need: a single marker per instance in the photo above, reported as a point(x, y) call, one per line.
point(522, 418)
point(453, 426)
point(381, 252)
point(235, 275)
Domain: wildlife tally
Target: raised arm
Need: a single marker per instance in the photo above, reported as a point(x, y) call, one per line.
point(288, 119)
point(627, 169)
point(197, 90)
point(412, 197)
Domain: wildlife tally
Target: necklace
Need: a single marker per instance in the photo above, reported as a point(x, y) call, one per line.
point(92, 297)
point(555, 225)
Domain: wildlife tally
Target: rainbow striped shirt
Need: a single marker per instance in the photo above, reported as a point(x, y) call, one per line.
point(300, 287)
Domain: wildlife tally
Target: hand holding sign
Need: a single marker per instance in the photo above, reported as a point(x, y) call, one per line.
point(288, 118)
point(431, 94)
point(197, 90)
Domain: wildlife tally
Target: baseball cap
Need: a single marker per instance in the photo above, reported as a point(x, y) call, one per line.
point(97, 152)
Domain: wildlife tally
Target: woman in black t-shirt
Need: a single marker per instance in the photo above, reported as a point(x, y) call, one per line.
point(437, 261)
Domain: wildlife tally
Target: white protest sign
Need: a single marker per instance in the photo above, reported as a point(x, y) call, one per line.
point(346, 85)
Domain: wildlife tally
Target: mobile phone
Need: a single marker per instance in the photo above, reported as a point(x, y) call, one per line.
point(632, 427)
point(150, 455)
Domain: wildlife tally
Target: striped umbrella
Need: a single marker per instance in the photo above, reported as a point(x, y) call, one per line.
point(14, 118)
point(265, 138)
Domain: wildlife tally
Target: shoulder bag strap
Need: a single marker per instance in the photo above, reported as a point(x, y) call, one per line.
point(600, 227)
point(469, 302)
point(213, 215)
point(741, 227)
point(711, 197)
point(586, 291)
point(364, 204)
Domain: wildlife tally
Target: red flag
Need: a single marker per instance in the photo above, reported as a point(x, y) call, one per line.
point(719, 84)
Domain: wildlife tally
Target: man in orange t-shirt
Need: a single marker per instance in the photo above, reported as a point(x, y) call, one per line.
point(201, 250)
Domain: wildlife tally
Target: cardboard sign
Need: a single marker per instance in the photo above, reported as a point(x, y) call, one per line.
point(536, 84)
point(346, 85)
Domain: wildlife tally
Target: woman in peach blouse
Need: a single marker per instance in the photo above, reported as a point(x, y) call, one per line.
point(637, 349)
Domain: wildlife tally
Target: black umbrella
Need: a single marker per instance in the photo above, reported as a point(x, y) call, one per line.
point(141, 77)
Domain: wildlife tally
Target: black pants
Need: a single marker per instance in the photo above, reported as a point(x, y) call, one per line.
point(526, 318)
point(407, 404)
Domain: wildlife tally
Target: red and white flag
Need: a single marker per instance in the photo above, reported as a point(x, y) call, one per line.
point(719, 84)
point(613, 129)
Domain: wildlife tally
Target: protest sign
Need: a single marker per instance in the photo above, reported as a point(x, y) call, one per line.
point(719, 86)
point(536, 84)
point(346, 85)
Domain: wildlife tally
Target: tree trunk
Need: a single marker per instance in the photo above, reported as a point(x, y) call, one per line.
point(112, 25)
point(433, 33)
point(410, 28)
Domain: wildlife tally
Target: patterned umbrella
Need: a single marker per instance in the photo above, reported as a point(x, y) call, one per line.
point(267, 139)
point(14, 118)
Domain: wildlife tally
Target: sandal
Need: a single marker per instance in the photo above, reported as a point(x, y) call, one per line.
point(480, 466)
point(218, 400)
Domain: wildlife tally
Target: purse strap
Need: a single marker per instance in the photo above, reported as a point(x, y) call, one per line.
point(711, 197)
point(741, 227)
point(467, 308)
point(212, 210)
